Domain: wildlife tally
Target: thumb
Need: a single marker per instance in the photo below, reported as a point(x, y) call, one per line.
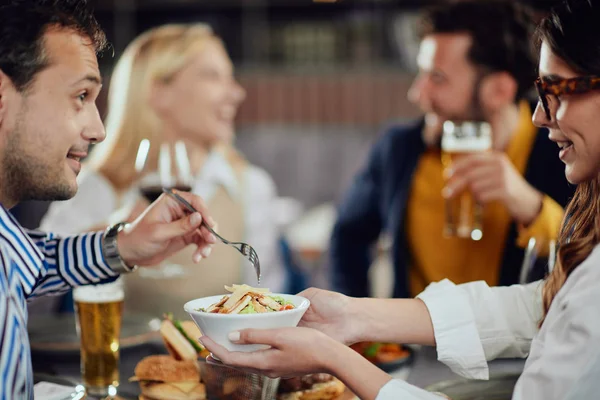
point(180, 227)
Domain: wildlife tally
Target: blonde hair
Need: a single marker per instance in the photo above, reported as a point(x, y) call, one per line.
point(155, 56)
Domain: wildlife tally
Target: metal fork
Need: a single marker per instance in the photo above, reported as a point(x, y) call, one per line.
point(246, 250)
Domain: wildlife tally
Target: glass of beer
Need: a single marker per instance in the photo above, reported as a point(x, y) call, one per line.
point(99, 310)
point(464, 216)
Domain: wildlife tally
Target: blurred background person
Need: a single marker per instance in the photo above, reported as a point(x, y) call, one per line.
point(176, 83)
point(475, 64)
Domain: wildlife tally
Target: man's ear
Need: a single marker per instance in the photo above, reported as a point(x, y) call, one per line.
point(5, 84)
point(497, 90)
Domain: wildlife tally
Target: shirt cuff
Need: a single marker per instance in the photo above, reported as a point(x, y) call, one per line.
point(81, 261)
point(397, 389)
point(544, 227)
point(457, 339)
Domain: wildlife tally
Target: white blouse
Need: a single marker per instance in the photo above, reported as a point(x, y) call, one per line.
point(475, 323)
point(96, 203)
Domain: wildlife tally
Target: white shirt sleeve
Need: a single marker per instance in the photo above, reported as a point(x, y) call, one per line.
point(262, 231)
point(564, 361)
point(474, 323)
point(400, 390)
point(93, 205)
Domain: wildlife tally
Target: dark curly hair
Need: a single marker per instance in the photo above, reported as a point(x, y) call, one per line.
point(23, 24)
point(500, 30)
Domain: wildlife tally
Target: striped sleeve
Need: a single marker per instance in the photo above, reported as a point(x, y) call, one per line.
point(70, 261)
point(15, 360)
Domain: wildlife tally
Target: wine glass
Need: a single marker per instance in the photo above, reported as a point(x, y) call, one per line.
point(171, 169)
point(539, 260)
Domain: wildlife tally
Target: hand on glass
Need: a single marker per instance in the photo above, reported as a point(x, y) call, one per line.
point(491, 176)
point(163, 229)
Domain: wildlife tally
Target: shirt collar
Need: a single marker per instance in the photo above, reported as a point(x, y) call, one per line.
point(218, 171)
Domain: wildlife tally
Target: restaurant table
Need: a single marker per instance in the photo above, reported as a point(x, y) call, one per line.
point(424, 371)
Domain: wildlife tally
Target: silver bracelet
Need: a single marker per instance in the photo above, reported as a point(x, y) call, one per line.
point(111, 252)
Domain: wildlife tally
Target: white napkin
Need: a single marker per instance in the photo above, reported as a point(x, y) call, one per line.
point(52, 391)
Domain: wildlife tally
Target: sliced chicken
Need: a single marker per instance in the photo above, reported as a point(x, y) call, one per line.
point(241, 305)
point(269, 302)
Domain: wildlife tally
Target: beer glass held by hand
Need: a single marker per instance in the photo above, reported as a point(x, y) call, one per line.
point(99, 313)
point(463, 215)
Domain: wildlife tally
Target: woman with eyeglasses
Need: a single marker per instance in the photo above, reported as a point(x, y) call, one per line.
point(555, 323)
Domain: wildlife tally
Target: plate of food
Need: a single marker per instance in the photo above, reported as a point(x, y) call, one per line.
point(311, 387)
point(184, 374)
point(387, 356)
point(245, 307)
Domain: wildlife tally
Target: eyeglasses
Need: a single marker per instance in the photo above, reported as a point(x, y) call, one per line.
point(578, 85)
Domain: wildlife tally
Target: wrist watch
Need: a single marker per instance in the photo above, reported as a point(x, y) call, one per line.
point(111, 252)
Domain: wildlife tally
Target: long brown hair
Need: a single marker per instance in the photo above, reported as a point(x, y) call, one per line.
point(572, 32)
point(579, 235)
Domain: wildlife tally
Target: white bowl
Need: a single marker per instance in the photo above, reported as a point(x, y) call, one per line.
point(218, 326)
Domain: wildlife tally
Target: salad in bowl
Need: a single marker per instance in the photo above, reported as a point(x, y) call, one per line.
point(245, 307)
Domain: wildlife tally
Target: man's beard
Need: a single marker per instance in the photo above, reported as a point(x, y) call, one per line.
point(25, 176)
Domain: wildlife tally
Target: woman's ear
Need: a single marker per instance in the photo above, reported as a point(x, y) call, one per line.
point(158, 96)
point(497, 90)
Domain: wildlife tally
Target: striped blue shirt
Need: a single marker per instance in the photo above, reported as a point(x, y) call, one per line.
point(33, 264)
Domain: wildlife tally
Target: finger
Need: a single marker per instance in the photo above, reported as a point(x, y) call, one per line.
point(202, 251)
point(235, 358)
point(490, 196)
point(460, 181)
point(482, 173)
point(309, 293)
point(207, 235)
point(454, 187)
point(178, 228)
point(198, 204)
point(464, 164)
point(201, 242)
point(255, 336)
point(480, 187)
point(197, 256)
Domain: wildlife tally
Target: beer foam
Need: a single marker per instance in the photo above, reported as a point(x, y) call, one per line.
point(99, 293)
point(454, 145)
point(467, 136)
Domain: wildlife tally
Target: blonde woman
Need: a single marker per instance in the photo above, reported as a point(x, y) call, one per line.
point(176, 82)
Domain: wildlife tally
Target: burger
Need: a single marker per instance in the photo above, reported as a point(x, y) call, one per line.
point(161, 377)
point(311, 387)
point(181, 339)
